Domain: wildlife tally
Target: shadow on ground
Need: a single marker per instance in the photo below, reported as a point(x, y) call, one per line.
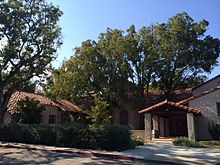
point(12, 156)
point(21, 156)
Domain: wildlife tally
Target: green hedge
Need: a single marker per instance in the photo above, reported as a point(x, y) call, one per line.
point(184, 141)
point(109, 137)
point(138, 141)
point(210, 143)
point(214, 130)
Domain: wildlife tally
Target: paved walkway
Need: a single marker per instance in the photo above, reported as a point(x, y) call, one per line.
point(165, 151)
point(155, 152)
point(15, 156)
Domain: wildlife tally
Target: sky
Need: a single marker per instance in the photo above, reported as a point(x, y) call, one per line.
point(86, 19)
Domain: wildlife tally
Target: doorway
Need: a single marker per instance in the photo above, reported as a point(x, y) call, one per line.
point(164, 127)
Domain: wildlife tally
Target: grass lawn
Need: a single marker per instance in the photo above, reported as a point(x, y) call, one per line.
point(184, 141)
point(211, 143)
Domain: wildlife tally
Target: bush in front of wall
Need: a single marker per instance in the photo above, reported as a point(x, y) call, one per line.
point(138, 141)
point(29, 111)
point(184, 141)
point(107, 137)
point(214, 130)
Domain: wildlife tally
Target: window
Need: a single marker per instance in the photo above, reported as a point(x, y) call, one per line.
point(124, 117)
point(52, 119)
point(218, 108)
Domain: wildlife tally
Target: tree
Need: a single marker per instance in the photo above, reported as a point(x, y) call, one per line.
point(100, 114)
point(122, 65)
point(30, 34)
point(184, 53)
point(29, 111)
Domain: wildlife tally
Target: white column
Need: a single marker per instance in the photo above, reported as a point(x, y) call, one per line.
point(155, 122)
point(147, 123)
point(191, 126)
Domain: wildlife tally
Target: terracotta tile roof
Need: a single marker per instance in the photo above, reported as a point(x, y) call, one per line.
point(189, 109)
point(64, 105)
point(68, 106)
point(156, 96)
point(198, 95)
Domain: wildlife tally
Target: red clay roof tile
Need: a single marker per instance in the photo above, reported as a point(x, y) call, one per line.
point(68, 106)
point(156, 96)
point(64, 105)
point(189, 109)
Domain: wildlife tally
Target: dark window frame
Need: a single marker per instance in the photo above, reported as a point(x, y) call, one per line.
point(52, 119)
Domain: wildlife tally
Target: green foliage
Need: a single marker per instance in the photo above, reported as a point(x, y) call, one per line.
point(184, 141)
point(108, 137)
point(214, 130)
point(29, 111)
point(120, 65)
point(181, 53)
point(99, 114)
point(30, 34)
point(210, 143)
point(138, 141)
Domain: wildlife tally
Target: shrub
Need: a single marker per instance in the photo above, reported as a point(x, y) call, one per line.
point(138, 141)
point(116, 137)
point(100, 113)
point(184, 141)
point(29, 111)
point(214, 130)
point(108, 137)
point(211, 143)
point(16, 133)
point(73, 133)
point(47, 134)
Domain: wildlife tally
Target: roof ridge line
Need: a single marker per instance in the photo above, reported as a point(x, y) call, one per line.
point(187, 108)
point(199, 95)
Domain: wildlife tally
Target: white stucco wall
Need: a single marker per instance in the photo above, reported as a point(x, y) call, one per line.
point(208, 107)
point(138, 133)
point(133, 118)
point(116, 116)
point(209, 85)
point(51, 110)
point(7, 118)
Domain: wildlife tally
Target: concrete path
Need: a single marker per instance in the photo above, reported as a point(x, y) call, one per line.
point(152, 153)
point(165, 151)
point(15, 156)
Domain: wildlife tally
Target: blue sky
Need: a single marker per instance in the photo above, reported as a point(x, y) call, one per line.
point(86, 19)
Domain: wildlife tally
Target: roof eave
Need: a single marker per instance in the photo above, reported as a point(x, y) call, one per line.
point(183, 107)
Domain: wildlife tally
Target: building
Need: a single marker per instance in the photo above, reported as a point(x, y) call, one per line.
point(189, 117)
point(128, 115)
point(56, 111)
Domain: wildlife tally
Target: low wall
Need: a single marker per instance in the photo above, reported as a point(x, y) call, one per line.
point(136, 133)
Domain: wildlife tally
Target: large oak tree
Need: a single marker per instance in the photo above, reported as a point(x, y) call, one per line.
point(121, 65)
point(184, 52)
point(30, 35)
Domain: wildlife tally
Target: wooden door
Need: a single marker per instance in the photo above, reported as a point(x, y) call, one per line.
point(181, 127)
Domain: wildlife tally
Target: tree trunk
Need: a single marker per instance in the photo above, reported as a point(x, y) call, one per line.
point(4, 98)
point(148, 83)
point(1, 106)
